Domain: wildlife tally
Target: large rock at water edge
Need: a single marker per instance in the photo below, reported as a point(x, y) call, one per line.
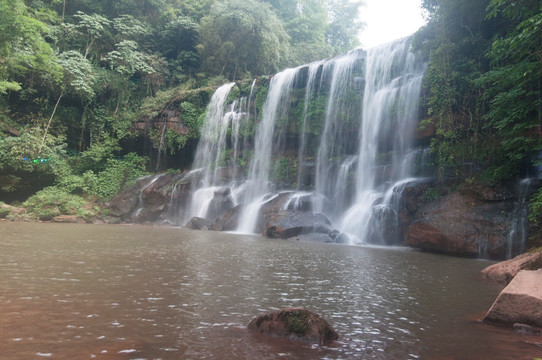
point(294, 323)
point(520, 302)
point(505, 271)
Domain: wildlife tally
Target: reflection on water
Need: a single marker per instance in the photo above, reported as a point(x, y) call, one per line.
point(136, 292)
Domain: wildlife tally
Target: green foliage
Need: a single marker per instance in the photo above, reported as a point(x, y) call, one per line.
point(52, 201)
point(241, 37)
point(27, 58)
point(98, 172)
point(127, 59)
point(459, 87)
point(4, 212)
point(305, 21)
point(96, 157)
point(192, 117)
point(284, 170)
point(298, 323)
point(512, 87)
point(17, 167)
point(117, 174)
point(343, 25)
point(244, 160)
point(91, 27)
point(431, 194)
point(78, 74)
point(535, 207)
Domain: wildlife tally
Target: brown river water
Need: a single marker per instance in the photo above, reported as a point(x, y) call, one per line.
point(141, 292)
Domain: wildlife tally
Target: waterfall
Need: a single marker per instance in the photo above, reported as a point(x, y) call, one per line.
point(213, 136)
point(275, 106)
point(214, 151)
point(310, 90)
point(334, 139)
point(347, 126)
point(393, 81)
point(146, 182)
point(516, 239)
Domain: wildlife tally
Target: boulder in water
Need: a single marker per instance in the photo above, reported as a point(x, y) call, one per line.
point(505, 271)
point(338, 237)
point(197, 223)
point(520, 302)
point(229, 221)
point(287, 224)
point(222, 202)
point(295, 323)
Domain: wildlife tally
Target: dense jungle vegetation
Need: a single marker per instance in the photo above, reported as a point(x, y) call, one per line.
point(78, 76)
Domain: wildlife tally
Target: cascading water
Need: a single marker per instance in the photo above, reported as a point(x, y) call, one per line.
point(275, 106)
point(348, 122)
point(516, 239)
point(336, 133)
point(392, 87)
point(212, 151)
point(310, 89)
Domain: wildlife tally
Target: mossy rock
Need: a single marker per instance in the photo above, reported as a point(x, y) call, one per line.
point(294, 323)
point(4, 212)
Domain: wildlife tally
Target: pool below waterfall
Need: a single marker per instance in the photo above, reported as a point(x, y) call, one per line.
point(142, 292)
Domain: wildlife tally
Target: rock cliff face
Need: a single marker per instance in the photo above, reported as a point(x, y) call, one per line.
point(474, 221)
point(148, 200)
point(460, 224)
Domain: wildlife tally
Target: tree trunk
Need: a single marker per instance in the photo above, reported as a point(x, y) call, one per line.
point(117, 107)
point(83, 125)
point(50, 120)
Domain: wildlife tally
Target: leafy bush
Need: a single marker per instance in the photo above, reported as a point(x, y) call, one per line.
point(24, 161)
point(53, 201)
point(117, 174)
point(284, 170)
point(431, 194)
point(4, 211)
point(97, 172)
point(535, 215)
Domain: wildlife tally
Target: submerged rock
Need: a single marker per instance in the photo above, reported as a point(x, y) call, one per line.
point(74, 219)
point(197, 223)
point(520, 302)
point(287, 224)
point(505, 271)
point(294, 323)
